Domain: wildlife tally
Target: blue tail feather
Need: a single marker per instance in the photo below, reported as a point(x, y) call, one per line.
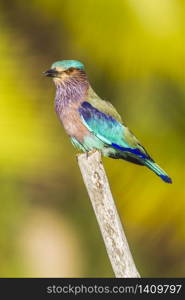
point(166, 178)
point(158, 171)
point(143, 159)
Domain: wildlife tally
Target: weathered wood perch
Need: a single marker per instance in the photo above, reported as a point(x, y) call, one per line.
point(97, 185)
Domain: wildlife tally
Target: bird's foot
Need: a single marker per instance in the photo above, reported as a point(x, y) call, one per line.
point(90, 152)
point(77, 155)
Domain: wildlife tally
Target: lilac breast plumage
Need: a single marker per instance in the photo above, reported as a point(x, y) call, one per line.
point(68, 98)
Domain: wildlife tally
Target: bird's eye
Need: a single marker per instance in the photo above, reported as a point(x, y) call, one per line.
point(68, 71)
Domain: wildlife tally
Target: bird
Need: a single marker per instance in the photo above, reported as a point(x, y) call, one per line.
point(92, 123)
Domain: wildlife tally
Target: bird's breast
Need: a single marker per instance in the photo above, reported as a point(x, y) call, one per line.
point(70, 118)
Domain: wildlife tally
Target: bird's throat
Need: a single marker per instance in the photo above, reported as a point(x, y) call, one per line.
point(69, 91)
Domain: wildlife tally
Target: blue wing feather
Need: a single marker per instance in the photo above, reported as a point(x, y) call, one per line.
point(106, 128)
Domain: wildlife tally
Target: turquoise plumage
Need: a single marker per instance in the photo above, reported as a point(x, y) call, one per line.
point(93, 123)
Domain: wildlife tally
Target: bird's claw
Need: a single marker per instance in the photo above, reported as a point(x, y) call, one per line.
point(88, 153)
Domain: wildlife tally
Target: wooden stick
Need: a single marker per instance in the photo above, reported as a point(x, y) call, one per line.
point(97, 185)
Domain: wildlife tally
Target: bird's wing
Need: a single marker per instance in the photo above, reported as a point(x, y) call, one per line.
point(109, 130)
point(102, 105)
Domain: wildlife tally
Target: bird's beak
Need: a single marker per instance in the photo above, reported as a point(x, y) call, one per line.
point(50, 73)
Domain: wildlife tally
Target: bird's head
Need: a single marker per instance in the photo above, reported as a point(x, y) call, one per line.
point(64, 69)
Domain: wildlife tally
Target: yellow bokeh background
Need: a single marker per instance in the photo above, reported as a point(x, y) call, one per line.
point(134, 53)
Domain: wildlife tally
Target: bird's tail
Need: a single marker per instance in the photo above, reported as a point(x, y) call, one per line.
point(157, 170)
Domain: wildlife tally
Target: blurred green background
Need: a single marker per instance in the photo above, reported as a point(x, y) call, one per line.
point(134, 52)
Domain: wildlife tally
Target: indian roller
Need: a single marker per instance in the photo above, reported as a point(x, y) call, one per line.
point(92, 123)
